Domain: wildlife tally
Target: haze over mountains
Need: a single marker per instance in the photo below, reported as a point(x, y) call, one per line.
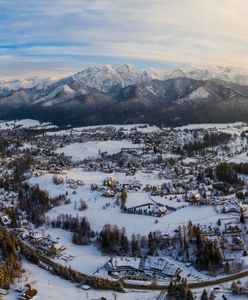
point(100, 95)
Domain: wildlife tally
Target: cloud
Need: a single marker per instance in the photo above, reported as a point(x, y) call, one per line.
point(44, 36)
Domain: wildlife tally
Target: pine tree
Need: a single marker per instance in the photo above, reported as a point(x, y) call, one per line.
point(124, 243)
point(242, 218)
point(190, 295)
point(171, 289)
point(212, 296)
point(204, 295)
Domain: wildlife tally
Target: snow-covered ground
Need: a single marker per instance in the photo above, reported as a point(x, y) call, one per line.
point(92, 149)
point(212, 125)
point(99, 215)
point(55, 288)
point(25, 123)
point(241, 158)
point(102, 210)
point(85, 259)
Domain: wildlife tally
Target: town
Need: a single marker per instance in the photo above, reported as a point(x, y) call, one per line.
point(125, 206)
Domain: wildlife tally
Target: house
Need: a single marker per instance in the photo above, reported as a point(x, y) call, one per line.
point(232, 228)
point(109, 193)
point(28, 293)
point(232, 207)
point(5, 220)
point(196, 197)
point(4, 292)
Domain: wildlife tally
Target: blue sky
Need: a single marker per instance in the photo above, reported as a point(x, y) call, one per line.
point(60, 37)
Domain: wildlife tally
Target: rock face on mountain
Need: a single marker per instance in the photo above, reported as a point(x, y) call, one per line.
point(100, 95)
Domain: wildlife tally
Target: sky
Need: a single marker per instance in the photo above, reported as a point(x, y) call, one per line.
point(61, 37)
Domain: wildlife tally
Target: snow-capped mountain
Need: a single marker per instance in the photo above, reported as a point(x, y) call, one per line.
point(17, 84)
point(123, 94)
point(107, 78)
point(231, 74)
point(62, 93)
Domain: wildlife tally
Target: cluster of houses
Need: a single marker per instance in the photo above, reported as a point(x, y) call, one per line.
point(42, 241)
point(71, 183)
point(110, 186)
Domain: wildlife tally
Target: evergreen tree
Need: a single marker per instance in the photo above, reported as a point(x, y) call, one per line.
point(204, 295)
point(212, 296)
point(242, 218)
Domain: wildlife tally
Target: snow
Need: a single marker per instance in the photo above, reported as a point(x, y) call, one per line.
point(85, 259)
point(104, 78)
point(25, 123)
point(65, 91)
point(199, 93)
point(55, 288)
point(241, 158)
point(16, 84)
point(232, 74)
point(136, 199)
point(80, 151)
point(218, 126)
point(171, 203)
point(98, 216)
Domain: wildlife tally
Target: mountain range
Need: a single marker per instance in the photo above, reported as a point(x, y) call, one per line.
point(107, 94)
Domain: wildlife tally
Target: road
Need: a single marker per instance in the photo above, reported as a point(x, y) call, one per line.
point(192, 285)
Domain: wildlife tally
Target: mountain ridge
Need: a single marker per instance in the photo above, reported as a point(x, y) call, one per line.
point(123, 94)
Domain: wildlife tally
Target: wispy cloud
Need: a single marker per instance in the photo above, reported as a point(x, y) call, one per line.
point(60, 36)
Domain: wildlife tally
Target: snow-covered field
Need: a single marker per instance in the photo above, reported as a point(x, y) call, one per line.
point(98, 215)
point(25, 123)
point(241, 158)
point(93, 149)
point(212, 125)
point(85, 259)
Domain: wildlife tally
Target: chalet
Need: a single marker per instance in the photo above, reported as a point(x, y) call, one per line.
point(208, 230)
point(232, 207)
point(28, 293)
point(94, 187)
point(232, 228)
point(136, 185)
point(79, 182)
point(35, 237)
point(109, 193)
point(5, 220)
